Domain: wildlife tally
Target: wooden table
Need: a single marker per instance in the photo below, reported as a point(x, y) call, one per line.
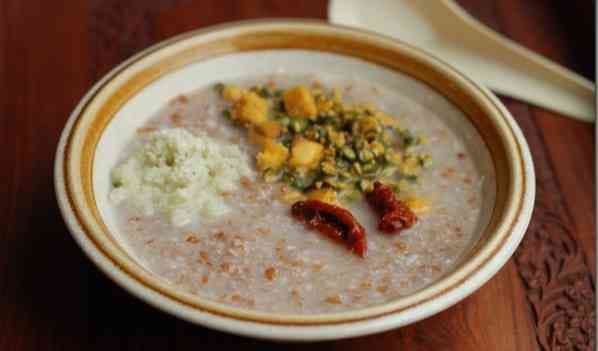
point(52, 298)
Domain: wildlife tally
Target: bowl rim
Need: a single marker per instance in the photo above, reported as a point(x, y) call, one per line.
point(497, 250)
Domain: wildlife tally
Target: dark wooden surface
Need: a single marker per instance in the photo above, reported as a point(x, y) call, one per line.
point(52, 298)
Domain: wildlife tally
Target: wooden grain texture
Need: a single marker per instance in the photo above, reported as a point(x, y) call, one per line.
point(52, 298)
point(571, 143)
point(43, 282)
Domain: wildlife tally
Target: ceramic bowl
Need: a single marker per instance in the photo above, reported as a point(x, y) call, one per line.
point(106, 119)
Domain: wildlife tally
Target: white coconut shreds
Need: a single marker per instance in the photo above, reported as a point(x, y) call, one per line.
point(179, 174)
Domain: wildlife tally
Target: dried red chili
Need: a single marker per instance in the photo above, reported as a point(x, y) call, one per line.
point(394, 214)
point(332, 221)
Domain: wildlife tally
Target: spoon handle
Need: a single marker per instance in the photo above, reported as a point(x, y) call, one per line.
point(513, 70)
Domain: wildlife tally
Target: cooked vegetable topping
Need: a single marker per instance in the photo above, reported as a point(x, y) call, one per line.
point(332, 221)
point(250, 108)
point(325, 151)
point(394, 214)
point(312, 140)
point(299, 102)
point(272, 156)
point(231, 93)
point(305, 154)
point(324, 195)
point(417, 205)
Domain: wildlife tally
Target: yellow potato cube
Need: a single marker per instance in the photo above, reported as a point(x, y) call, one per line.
point(251, 108)
point(299, 102)
point(417, 205)
point(270, 129)
point(272, 156)
point(291, 196)
point(232, 93)
point(305, 153)
point(324, 195)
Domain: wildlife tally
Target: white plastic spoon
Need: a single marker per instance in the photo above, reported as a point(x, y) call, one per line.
point(443, 28)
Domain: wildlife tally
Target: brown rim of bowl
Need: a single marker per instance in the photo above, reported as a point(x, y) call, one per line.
point(481, 110)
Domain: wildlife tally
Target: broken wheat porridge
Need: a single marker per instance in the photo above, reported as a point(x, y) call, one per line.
point(291, 194)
